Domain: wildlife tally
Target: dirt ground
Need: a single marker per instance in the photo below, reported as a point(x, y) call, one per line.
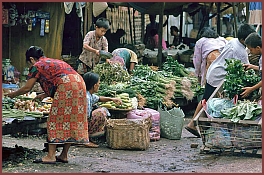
point(162, 156)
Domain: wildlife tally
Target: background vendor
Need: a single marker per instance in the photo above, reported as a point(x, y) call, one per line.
point(129, 57)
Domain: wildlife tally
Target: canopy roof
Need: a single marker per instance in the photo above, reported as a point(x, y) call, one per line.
point(171, 8)
point(176, 8)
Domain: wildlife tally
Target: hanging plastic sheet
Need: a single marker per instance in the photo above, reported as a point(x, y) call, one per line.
point(255, 13)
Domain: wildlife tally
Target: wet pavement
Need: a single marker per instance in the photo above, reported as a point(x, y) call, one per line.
point(162, 156)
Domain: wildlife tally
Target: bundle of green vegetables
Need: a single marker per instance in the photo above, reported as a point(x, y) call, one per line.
point(114, 89)
point(177, 69)
point(243, 110)
point(111, 73)
point(20, 114)
point(157, 85)
point(151, 86)
point(237, 78)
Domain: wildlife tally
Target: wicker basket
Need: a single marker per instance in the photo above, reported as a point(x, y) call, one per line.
point(128, 133)
point(185, 58)
point(223, 133)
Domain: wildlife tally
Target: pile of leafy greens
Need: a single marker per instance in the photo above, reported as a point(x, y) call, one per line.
point(243, 110)
point(237, 78)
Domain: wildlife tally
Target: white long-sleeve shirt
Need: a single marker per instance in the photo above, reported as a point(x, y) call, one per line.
point(233, 49)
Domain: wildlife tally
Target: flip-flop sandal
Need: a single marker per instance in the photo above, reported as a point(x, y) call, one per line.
point(60, 160)
point(43, 162)
point(193, 131)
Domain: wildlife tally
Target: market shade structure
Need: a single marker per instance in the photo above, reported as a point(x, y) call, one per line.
point(170, 8)
point(163, 8)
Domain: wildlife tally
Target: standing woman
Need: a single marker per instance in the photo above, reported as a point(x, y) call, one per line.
point(67, 121)
point(206, 50)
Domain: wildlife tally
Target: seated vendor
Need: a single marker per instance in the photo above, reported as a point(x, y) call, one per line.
point(175, 33)
point(96, 115)
point(129, 58)
point(154, 42)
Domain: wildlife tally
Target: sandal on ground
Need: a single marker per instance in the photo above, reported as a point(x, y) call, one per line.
point(91, 145)
point(60, 160)
point(88, 145)
point(43, 162)
point(97, 134)
point(193, 131)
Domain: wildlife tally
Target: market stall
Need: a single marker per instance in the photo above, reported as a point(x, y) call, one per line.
point(181, 53)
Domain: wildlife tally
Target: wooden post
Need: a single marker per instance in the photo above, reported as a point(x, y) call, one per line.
point(85, 26)
point(218, 18)
point(134, 26)
point(181, 24)
point(235, 19)
point(160, 34)
point(89, 15)
point(130, 25)
point(247, 12)
point(142, 27)
point(9, 42)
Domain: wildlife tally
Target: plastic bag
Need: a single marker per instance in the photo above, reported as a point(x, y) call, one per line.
point(171, 123)
point(214, 105)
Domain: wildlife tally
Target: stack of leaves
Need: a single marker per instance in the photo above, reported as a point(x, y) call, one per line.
point(243, 110)
point(113, 89)
point(153, 86)
point(184, 86)
point(177, 69)
point(237, 78)
point(111, 73)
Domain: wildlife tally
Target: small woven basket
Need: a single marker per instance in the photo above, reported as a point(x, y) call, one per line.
point(128, 133)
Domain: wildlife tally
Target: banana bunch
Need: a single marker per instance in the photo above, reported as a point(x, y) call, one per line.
point(126, 102)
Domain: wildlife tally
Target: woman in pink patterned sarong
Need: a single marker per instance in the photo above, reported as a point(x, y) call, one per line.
point(67, 121)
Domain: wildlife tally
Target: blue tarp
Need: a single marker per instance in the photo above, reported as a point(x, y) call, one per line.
point(255, 6)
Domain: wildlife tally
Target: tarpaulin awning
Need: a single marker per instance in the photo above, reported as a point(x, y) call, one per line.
point(255, 13)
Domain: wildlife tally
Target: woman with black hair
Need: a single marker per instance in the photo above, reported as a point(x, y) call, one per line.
point(175, 32)
point(96, 116)
point(67, 121)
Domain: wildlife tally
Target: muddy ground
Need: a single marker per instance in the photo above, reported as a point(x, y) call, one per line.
point(162, 156)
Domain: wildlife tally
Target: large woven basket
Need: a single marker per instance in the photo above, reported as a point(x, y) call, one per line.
point(128, 133)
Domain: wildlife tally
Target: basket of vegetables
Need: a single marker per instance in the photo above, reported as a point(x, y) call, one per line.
point(238, 127)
